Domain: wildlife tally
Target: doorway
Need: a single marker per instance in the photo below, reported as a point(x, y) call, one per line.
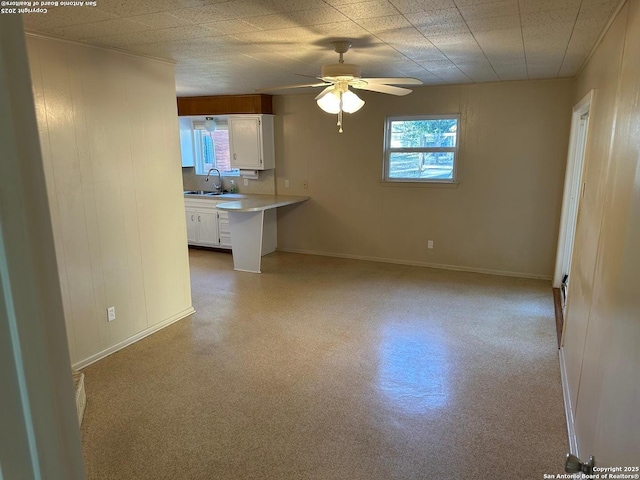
point(573, 191)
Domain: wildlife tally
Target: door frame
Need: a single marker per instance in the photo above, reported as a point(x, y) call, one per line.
point(572, 183)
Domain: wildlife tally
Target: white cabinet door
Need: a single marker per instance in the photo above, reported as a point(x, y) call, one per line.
point(208, 227)
point(192, 225)
point(251, 142)
point(245, 142)
point(186, 142)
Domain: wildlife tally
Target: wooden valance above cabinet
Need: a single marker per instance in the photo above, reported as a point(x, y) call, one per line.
point(225, 104)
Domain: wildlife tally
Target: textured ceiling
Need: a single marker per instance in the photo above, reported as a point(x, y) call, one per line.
point(237, 46)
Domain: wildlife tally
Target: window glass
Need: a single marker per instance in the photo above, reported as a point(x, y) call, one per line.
point(212, 146)
point(427, 165)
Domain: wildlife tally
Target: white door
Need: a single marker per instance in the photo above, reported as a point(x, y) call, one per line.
point(573, 190)
point(574, 201)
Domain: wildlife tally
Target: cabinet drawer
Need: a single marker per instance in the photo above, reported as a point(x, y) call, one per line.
point(224, 223)
point(225, 240)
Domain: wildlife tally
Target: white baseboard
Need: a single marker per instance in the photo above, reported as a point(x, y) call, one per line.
point(573, 441)
point(138, 336)
point(459, 268)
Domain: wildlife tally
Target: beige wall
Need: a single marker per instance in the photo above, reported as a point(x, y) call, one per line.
point(603, 311)
point(502, 217)
point(109, 134)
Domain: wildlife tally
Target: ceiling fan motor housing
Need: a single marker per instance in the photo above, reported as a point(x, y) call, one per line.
point(341, 71)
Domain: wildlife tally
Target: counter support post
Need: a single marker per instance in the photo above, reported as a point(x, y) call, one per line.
point(253, 234)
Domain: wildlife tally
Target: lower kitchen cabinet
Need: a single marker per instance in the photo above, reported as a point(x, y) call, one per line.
point(207, 226)
point(202, 227)
point(223, 229)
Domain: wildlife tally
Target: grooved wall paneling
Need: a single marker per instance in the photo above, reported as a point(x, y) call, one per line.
point(108, 129)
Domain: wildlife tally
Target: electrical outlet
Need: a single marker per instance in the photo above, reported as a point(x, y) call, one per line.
point(111, 314)
point(246, 182)
point(430, 244)
point(305, 184)
point(286, 184)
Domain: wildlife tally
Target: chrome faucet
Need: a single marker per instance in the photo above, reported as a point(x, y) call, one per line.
point(217, 186)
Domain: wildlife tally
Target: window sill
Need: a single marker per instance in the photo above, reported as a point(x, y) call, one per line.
point(222, 175)
point(410, 184)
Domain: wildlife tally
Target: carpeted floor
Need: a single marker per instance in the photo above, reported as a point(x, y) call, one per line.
point(323, 368)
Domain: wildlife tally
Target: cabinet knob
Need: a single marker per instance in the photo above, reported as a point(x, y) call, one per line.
point(198, 217)
point(192, 218)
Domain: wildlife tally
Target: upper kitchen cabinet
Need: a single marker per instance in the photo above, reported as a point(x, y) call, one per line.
point(186, 142)
point(251, 142)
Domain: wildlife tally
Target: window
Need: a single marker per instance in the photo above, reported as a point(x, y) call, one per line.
point(421, 148)
point(212, 146)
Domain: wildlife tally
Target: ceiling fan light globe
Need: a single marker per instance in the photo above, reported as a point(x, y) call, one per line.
point(329, 102)
point(351, 103)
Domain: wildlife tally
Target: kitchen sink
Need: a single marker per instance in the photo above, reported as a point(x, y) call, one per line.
point(201, 192)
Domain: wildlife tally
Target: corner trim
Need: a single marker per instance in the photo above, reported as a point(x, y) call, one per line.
point(133, 339)
point(604, 31)
point(460, 268)
point(98, 47)
point(571, 431)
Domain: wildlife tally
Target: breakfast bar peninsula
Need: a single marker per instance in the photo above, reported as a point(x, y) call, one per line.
point(254, 229)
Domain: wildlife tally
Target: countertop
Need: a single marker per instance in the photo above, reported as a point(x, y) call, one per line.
point(239, 202)
point(257, 203)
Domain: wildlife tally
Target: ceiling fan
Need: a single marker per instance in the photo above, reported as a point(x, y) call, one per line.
point(337, 78)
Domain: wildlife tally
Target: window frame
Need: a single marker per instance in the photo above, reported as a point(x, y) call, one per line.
point(197, 124)
point(388, 150)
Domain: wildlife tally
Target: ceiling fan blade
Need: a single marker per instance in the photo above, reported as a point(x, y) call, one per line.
point(399, 91)
point(394, 81)
point(308, 76)
point(297, 85)
point(323, 92)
